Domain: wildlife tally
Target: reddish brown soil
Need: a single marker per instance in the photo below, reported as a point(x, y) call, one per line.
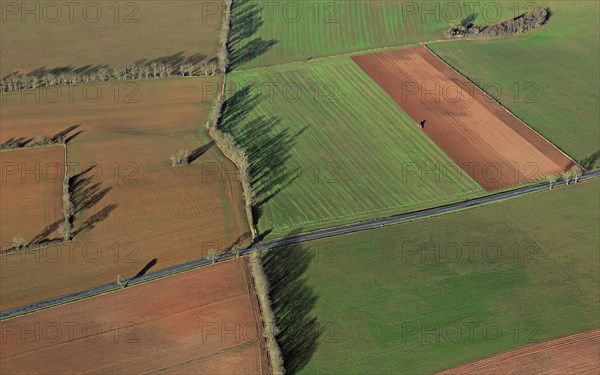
point(151, 210)
point(575, 354)
point(490, 144)
point(200, 322)
point(31, 189)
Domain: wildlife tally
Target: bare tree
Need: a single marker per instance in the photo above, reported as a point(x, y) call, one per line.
point(212, 255)
point(578, 173)
point(567, 176)
point(19, 242)
point(551, 180)
point(236, 250)
point(41, 140)
point(180, 158)
point(121, 281)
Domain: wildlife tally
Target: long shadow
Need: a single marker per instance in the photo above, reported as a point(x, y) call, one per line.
point(175, 61)
point(143, 271)
point(200, 151)
point(246, 20)
point(146, 268)
point(44, 235)
point(589, 162)
point(85, 193)
point(267, 146)
point(95, 219)
point(62, 135)
point(15, 143)
point(292, 300)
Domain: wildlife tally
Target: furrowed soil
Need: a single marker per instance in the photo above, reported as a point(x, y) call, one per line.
point(47, 34)
point(31, 192)
point(486, 141)
point(574, 354)
point(199, 322)
point(136, 213)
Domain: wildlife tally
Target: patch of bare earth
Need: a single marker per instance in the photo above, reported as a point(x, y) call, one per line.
point(494, 147)
point(574, 354)
point(199, 322)
point(31, 189)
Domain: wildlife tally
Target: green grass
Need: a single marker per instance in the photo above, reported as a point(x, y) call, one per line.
point(354, 153)
point(561, 60)
point(372, 288)
point(327, 27)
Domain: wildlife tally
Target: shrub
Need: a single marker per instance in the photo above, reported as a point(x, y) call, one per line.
point(180, 158)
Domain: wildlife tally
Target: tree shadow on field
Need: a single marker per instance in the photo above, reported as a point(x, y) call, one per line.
point(65, 135)
point(292, 300)
point(200, 151)
point(85, 193)
point(246, 20)
point(266, 144)
point(44, 235)
point(592, 161)
point(198, 60)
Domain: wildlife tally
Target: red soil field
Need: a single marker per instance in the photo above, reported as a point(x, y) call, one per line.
point(200, 322)
point(574, 354)
point(141, 209)
point(494, 147)
point(31, 189)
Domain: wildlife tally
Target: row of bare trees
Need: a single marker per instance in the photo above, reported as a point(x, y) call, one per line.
point(233, 151)
point(262, 287)
point(124, 73)
point(571, 175)
point(66, 228)
point(225, 141)
point(41, 140)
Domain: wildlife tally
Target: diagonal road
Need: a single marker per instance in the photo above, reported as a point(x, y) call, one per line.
point(325, 233)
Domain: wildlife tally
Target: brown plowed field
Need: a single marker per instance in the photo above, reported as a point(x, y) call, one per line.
point(31, 189)
point(575, 354)
point(139, 210)
point(199, 322)
point(490, 144)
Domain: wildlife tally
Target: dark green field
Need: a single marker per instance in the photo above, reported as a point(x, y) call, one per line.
point(430, 295)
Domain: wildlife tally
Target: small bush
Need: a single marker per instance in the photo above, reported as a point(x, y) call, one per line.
point(180, 158)
point(19, 242)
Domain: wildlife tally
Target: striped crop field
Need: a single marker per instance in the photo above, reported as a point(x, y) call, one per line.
point(291, 30)
point(328, 146)
point(549, 78)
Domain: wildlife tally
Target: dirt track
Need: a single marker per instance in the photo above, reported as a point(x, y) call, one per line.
point(574, 354)
point(491, 145)
point(31, 189)
point(201, 322)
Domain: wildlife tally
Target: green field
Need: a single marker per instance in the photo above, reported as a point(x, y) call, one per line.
point(331, 147)
point(285, 31)
point(517, 272)
point(548, 78)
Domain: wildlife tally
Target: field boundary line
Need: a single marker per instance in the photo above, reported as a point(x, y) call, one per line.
point(302, 237)
point(503, 107)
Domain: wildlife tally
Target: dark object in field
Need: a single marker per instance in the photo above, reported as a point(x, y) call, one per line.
point(517, 25)
point(422, 124)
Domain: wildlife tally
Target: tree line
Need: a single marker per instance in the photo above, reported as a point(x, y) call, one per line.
point(154, 70)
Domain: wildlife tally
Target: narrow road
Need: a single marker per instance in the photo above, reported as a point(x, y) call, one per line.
point(325, 233)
